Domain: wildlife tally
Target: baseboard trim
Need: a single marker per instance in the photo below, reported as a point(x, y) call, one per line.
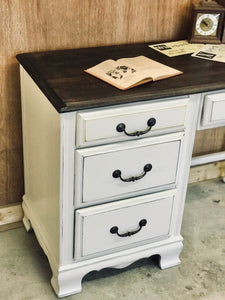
point(207, 171)
point(11, 214)
point(11, 226)
point(208, 158)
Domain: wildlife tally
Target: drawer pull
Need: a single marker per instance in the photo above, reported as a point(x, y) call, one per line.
point(122, 128)
point(117, 174)
point(115, 229)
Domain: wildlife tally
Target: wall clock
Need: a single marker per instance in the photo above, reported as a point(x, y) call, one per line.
point(208, 23)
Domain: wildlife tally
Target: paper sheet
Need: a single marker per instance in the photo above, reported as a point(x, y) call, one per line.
point(176, 48)
point(211, 52)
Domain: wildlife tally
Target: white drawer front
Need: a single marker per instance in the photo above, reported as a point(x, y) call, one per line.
point(94, 226)
point(95, 168)
point(100, 126)
point(214, 110)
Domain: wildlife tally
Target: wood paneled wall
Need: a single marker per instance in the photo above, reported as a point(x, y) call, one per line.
point(209, 141)
point(35, 25)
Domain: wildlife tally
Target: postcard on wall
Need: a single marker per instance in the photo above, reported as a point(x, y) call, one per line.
point(176, 48)
point(211, 52)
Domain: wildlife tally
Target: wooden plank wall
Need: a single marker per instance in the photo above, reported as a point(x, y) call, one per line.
point(35, 25)
point(209, 141)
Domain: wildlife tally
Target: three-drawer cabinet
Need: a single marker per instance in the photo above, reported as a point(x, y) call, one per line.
point(138, 164)
point(106, 171)
point(114, 196)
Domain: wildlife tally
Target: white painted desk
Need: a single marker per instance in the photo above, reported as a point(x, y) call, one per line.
point(97, 193)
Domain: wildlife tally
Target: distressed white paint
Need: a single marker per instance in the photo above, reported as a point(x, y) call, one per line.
point(41, 147)
point(212, 113)
point(95, 223)
point(58, 176)
point(99, 126)
point(95, 166)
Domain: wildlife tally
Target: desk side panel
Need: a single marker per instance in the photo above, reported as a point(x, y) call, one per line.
point(41, 146)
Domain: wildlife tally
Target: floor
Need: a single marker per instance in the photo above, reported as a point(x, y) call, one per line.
point(25, 273)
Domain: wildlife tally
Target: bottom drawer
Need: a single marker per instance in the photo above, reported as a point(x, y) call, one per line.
point(119, 224)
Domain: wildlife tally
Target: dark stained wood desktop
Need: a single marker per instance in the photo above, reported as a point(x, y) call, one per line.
point(61, 77)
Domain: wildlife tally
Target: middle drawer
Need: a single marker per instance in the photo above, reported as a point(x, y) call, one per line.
point(131, 168)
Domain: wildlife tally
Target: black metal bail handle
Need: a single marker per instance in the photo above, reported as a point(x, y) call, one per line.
point(122, 128)
point(115, 229)
point(117, 174)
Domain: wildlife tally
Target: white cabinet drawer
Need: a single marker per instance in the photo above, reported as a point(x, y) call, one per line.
point(101, 126)
point(213, 110)
point(138, 220)
point(95, 168)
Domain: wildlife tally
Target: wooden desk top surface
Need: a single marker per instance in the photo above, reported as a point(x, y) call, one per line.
point(60, 76)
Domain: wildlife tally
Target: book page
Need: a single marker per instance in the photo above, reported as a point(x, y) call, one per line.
point(122, 73)
point(150, 68)
point(127, 72)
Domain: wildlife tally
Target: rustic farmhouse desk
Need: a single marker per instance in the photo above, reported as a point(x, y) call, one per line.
point(97, 196)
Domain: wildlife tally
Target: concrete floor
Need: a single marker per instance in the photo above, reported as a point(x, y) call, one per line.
point(25, 273)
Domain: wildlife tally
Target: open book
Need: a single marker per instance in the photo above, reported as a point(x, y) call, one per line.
point(126, 73)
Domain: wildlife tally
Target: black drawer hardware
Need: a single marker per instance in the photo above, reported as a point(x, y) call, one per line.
point(115, 229)
point(117, 174)
point(122, 128)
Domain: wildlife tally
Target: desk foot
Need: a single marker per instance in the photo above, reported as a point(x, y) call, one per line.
point(27, 224)
point(170, 258)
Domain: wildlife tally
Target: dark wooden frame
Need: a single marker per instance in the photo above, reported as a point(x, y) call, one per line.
point(209, 7)
point(208, 39)
point(223, 32)
point(222, 3)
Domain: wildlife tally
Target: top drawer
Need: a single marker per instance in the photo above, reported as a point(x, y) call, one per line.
point(100, 126)
point(213, 113)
